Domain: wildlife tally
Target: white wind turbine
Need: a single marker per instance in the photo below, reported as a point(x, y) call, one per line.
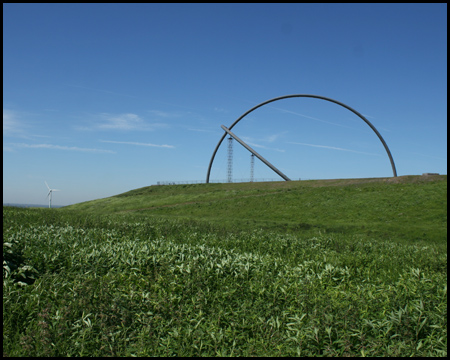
point(49, 195)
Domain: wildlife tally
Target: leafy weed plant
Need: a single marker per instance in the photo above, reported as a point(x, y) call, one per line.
point(325, 268)
point(118, 285)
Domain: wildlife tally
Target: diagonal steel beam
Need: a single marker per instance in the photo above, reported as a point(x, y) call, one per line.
point(255, 153)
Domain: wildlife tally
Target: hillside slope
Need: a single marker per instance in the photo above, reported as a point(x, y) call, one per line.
point(411, 207)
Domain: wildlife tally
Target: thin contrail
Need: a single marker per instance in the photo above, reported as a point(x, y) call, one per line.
point(137, 143)
point(311, 117)
point(59, 147)
point(333, 148)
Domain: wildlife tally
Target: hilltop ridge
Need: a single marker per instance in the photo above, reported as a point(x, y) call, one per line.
point(167, 194)
point(415, 207)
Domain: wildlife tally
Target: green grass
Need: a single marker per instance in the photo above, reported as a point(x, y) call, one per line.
point(411, 208)
point(325, 268)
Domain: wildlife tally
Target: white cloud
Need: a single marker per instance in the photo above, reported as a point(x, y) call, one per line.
point(59, 147)
point(367, 116)
point(250, 142)
point(11, 125)
point(15, 126)
point(7, 148)
point(332, 148)
point(274, 137)
point(121, 122)
point(263, 147)
point(164, 114)
point(137, 143)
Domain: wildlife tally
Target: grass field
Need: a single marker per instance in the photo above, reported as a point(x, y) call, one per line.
point(310, 268)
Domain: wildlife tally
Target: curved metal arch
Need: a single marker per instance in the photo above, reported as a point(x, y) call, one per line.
point(309, 96)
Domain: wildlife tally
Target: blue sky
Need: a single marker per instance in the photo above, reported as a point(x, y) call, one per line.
point(99, 99)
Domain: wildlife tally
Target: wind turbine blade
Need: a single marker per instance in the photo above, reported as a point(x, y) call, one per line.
point(47, 185)
point(55, 190)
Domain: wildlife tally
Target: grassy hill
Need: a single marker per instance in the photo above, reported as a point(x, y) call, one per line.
point(406, 207)
point(350, 267)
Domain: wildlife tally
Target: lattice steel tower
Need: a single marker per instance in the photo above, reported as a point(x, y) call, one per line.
point(252, 166)
point(230, 159)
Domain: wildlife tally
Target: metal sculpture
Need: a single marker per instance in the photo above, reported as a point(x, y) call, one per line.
point(228, 132)
point(255, 153)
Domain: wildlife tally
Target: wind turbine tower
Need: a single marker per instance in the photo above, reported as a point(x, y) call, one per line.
point(49, 195)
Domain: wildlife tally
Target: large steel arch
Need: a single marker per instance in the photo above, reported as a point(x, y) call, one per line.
point(308, 96)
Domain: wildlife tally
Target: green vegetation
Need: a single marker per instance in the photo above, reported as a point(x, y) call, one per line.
point(314, 268)
point(410, 207)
